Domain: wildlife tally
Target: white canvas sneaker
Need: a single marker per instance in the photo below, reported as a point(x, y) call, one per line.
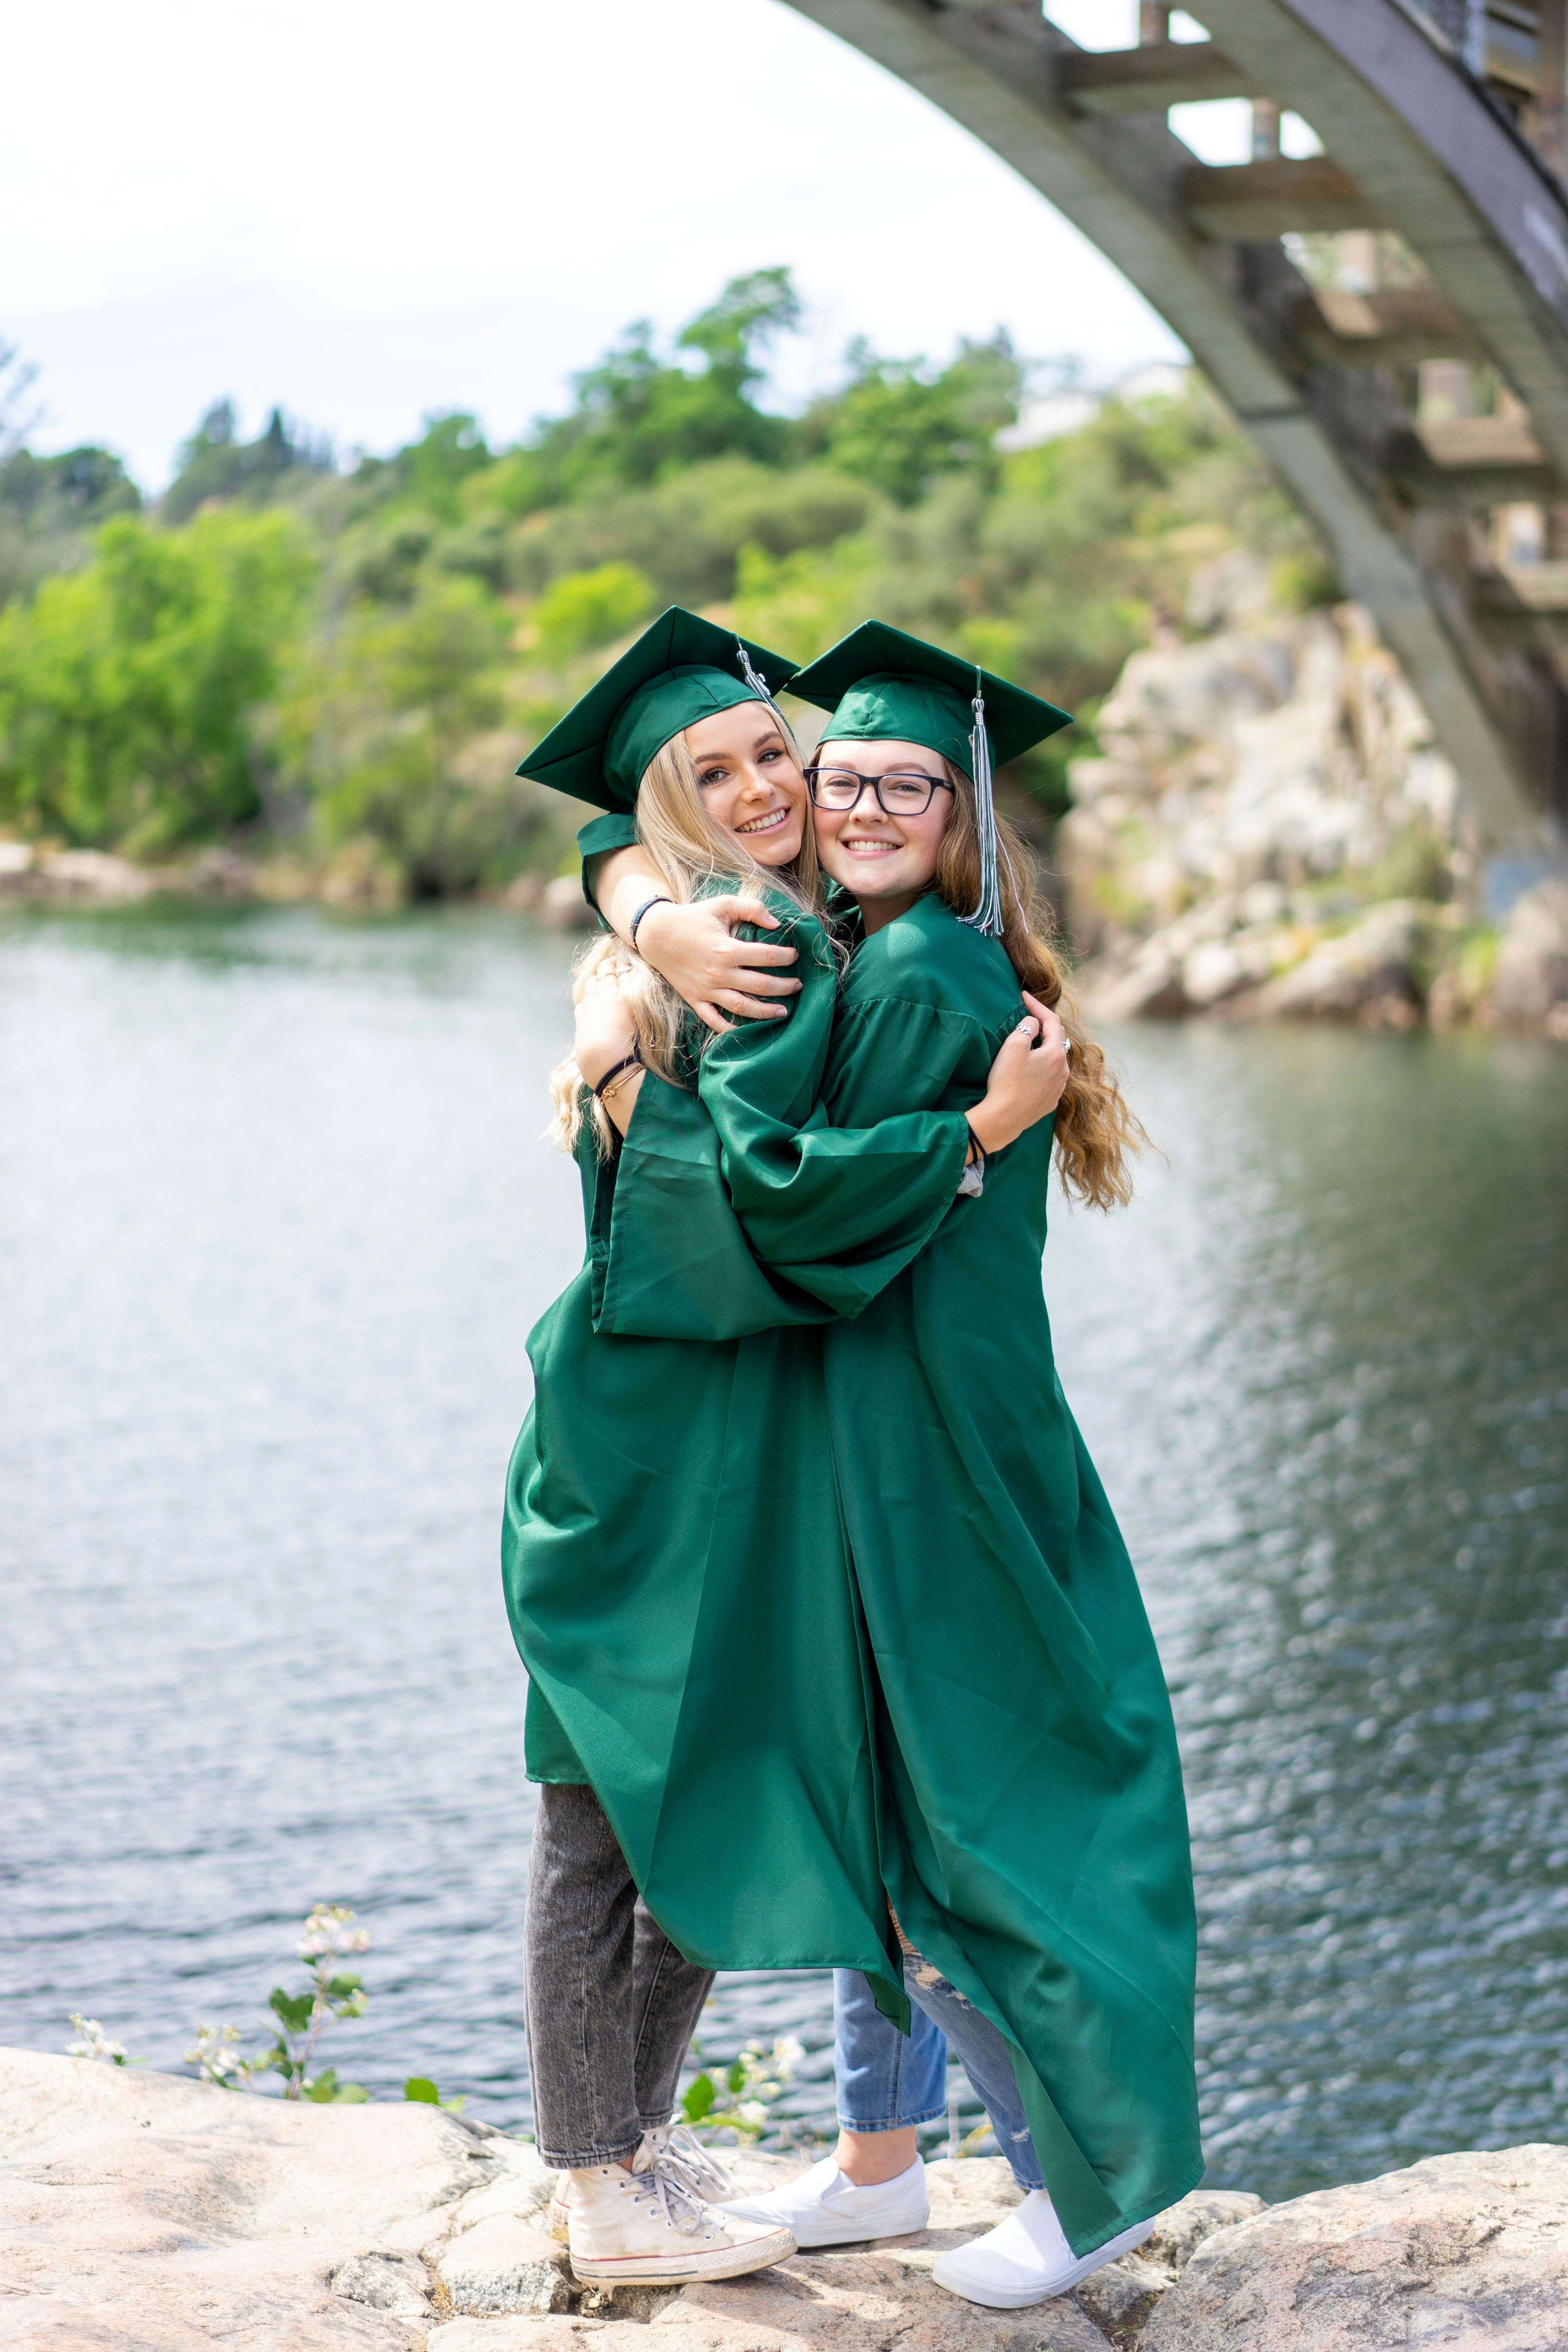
point(679, 2149)
point(825, 2208)
point(1025, 2258)
point(643, 2229)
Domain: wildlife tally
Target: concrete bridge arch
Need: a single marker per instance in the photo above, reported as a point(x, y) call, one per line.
point(1442, 124)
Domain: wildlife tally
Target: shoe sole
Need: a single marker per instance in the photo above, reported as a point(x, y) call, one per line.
point(734, 2261)
point(1000, 2298)
point(810, 2240)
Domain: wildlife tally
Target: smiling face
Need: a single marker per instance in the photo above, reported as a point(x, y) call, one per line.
point(886, 862)
point(749, 781)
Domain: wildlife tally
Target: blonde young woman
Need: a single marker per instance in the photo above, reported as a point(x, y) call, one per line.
point(673, 1549)
point(1032, 1832)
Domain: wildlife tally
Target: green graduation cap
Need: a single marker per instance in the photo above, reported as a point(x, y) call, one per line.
point(680, 669)
point(880, 685)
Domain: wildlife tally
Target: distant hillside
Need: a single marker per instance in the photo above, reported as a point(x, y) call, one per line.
point(339, 667)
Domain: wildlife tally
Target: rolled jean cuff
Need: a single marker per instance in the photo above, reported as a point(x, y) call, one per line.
point(890, 2123)
point(585, 2159)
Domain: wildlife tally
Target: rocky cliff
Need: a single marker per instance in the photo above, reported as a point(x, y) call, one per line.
point(1269, 831)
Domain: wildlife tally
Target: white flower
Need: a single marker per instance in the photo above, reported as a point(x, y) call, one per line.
point(328, 1933)
point(787, 2056)
point(751, 2113)
point(213, 2052)
point(93, 2041)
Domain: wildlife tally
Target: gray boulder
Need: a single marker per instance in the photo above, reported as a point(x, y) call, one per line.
point(1530, 982)
point(1368, 973)
point(1460, 2250)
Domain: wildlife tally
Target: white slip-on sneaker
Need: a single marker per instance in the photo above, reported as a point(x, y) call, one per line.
point(825, 2208)
point(1025, 2258)
point(643, 2229)
point(676, 2148)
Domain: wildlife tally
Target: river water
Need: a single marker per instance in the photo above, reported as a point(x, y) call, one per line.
point(275, 1218)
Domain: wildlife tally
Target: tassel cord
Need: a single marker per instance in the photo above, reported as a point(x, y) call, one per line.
point(986, 917)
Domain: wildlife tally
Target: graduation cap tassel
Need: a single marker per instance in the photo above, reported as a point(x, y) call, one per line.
point(758, 685)
point(987, 914)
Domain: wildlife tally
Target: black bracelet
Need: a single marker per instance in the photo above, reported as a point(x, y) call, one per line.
point(632, 1061)
point(662, 900)
point(981, 1155)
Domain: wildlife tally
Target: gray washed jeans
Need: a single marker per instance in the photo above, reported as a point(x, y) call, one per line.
point(612, 2006)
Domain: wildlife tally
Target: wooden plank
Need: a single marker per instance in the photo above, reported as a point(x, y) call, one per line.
point(1505, 442)
point(1392, 327)
point(1147, 80)
point(1242, 204)
point(1539, 587)
point(1471, 463)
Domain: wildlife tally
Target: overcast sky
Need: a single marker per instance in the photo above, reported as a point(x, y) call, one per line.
point(367, 211)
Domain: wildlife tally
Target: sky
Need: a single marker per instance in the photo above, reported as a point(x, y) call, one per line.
point(367, 212)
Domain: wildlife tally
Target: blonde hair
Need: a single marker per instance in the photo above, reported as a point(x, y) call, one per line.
point(690, 854)
point(1097, 1134)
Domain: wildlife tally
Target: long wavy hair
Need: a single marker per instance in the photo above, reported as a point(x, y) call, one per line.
point(1097, 1135)
point(691, 855)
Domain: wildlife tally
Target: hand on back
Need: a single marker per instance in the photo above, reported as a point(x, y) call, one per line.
point(1027, 1078)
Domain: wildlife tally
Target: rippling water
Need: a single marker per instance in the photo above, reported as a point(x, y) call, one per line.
point(275, 1218)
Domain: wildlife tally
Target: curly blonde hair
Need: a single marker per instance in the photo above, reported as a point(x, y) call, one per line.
point(1097, 1134)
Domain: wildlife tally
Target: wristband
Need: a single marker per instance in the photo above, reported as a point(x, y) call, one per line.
point(661, 901)
point(632, 1061)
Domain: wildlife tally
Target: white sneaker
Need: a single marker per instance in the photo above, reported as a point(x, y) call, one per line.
point(676, 2148)
point(1025, 2258)
point(643, 2229)
point(825, 2208)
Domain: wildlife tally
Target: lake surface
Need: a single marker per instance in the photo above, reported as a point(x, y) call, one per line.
point(276, 1216)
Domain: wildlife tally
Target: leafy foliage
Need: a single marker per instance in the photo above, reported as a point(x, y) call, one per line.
point(215, 465)
point(735, 2098)
point(371, 725)
point(901, 428)
point(356, 659)
point(125, 688)
point(587, 608)
point(50, 508)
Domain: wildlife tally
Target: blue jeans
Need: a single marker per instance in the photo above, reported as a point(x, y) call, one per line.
point(887, 2080)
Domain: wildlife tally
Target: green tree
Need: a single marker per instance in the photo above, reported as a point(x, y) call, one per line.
point(214, 464)
point(372, 725)
point(639, 418)
point(901, 428)
point(437, 467)
point(49, 510)
point(589, 608)
point(126, 690)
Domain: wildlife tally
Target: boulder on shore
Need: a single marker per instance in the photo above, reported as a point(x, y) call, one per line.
point(1460, 2250)
point(1530, 980)
point(143, 2212)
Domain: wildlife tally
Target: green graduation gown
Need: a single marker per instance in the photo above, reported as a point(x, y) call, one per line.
point(1032, 1831)
point(673, 1551)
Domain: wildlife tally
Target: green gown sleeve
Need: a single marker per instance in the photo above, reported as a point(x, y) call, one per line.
point(742, 1207)
point(614, 830)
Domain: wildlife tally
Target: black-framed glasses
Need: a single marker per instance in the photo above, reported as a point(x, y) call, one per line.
point(906, 792)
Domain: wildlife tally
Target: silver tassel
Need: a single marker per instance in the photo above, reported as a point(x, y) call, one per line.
point(987, 914)
point(758, 685)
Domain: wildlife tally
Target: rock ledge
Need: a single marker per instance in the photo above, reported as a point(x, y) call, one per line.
point(147, 2213)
